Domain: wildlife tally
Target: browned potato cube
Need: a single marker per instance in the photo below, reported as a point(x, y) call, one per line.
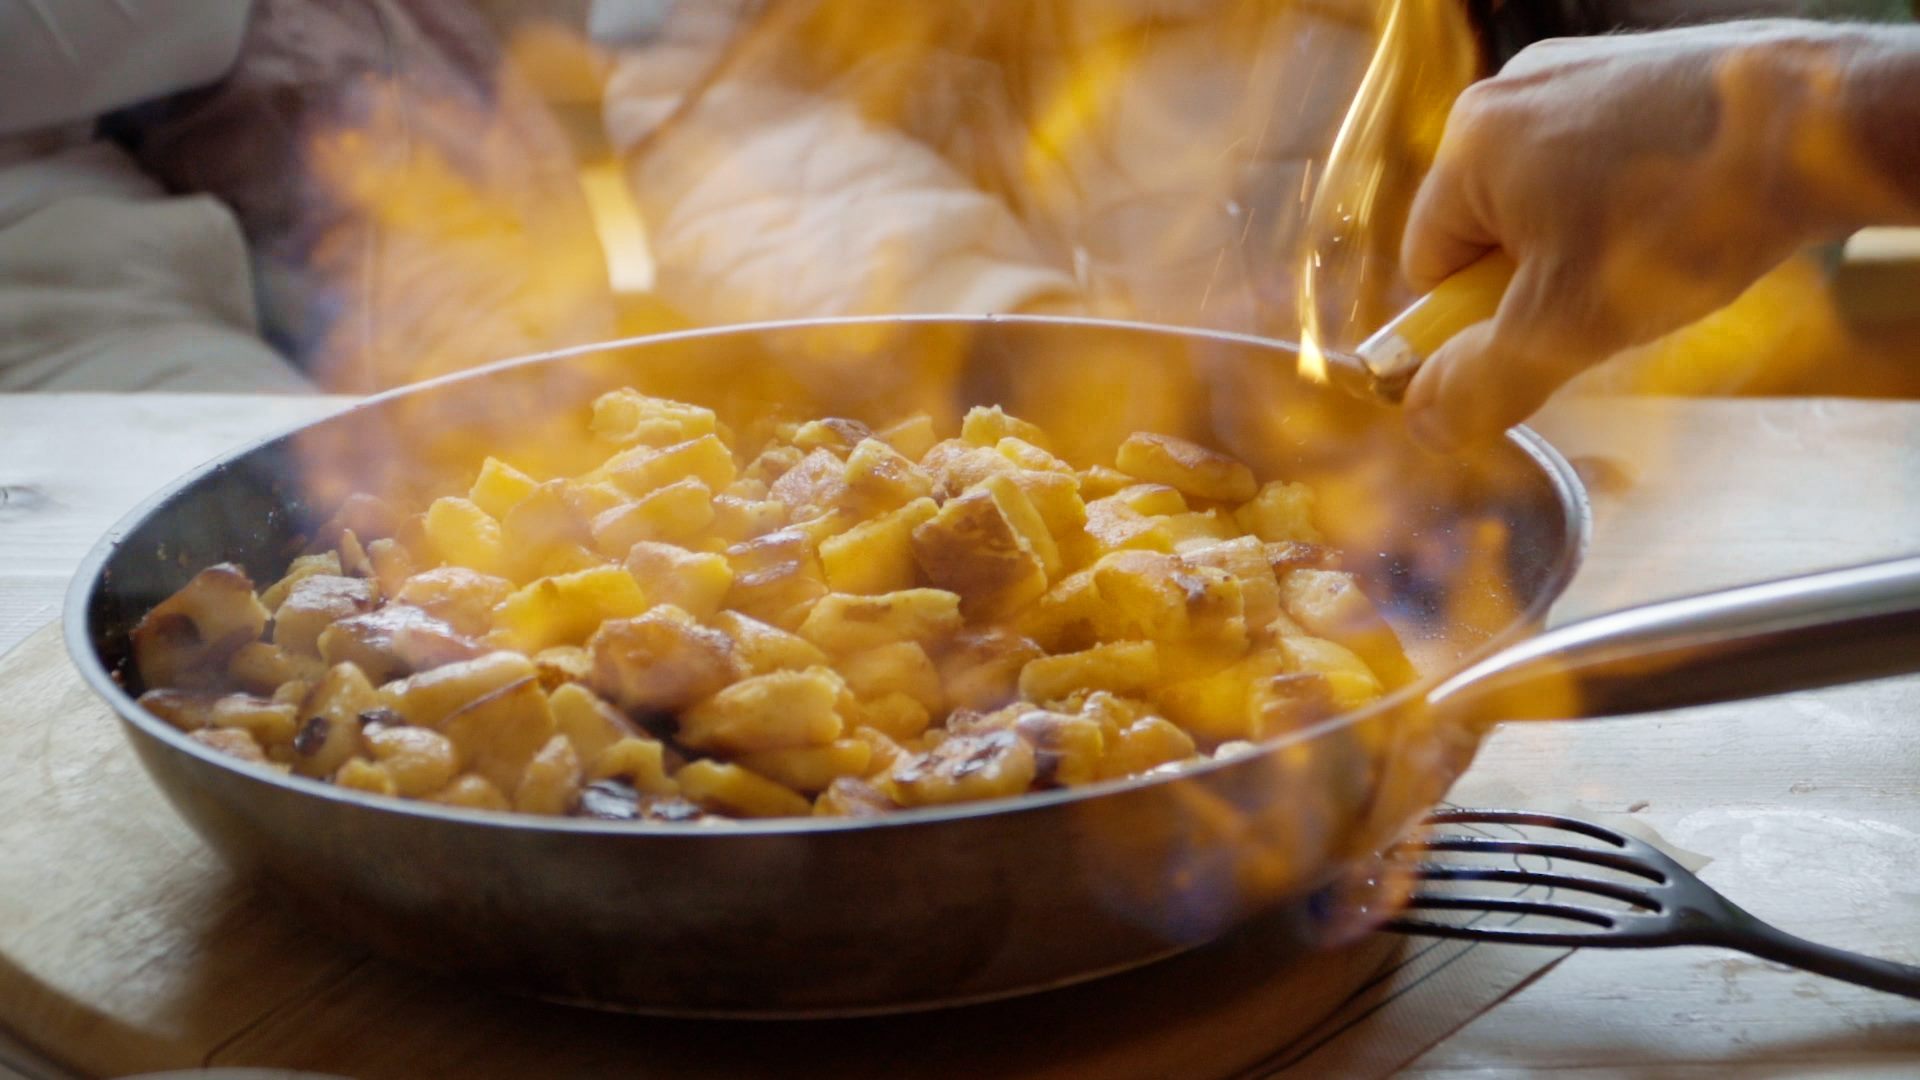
point(1072, 616)
point(767, 712)
point(957, 465)
point(695, 582)
point(759, 648)
point(893, 714)
point(464, 598)
point(1280, 512)
point(428, 698)
point(1330, 604)
point(392, 566)
point(733, 790)
point(1164, 599)
point(550, 784)
point(964, 768)
point(316, 603)
point(876, 556)
point(849, 797)
point(393, 641)
point(1123, 667)
point(329, 721)
point(1153, 500)
point(881, 478)
point(840, 623)
point(986, 425)
point(499, 487)
point(776, 578)
point(835, 433)
point(565, 609)
point(972, 549)
point(230, 741)
point(545, 519)
point(498, 734)
point(1246, 559)
point(816, 486)
point(1032, 458)
point(643, 469)
point(981, 668)
point(558, 665)
point(1350, 682)
point(1193, 469)
point(901, 666)
point(186, 640)
point(471, 792)
point(1100, 481)
point(589, 723)
point(459, 533)
point(1145, 744)
point(1221, 705)
point(1197, 530)
point(1114, 526)
point(810, 769)
point(670, 513)
point(302, 567)
point(420, 761)
point(260, 668)
point(1067, 750)
point(640, 762)
point(913, 436)
point(737, 517)
point(774, 462)
point(661, 661)
point(627, 417)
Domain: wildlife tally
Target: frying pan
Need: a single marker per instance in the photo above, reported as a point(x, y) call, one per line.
point(937, 906)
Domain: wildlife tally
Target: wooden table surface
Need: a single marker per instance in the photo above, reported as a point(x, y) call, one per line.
point(1807, 806)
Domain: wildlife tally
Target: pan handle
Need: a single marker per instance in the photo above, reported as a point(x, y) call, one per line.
point(1796, 633)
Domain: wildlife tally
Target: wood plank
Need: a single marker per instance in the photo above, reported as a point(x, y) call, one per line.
point(73, 464)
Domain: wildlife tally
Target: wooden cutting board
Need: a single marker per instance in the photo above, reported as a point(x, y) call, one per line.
point(126, 946)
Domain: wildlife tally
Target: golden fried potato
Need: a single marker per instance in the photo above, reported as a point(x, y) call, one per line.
point(841, 623)
point(464, 598)
point(1330, 604)
point(499, 487)
point(878, 477)
point(316, 603)
point(986, 425)
point(695, 582)
point(645, 469)
point(395, 640)
point(810, 769)
point(659, 661)
point(876, 556)
point(913, 436)
point(459, 533)
point(330, 721)
point(980, 669)
point(964, 768)
point(774, 711)
point(730, 789)
point(972, 549)
point(627, 417)
point(759, 648)
point(428, 698)
point(1280, 511)
point(1123, 667)
point(670, 513)
point(1193, 469)
point(566, 609)
point(497, 734)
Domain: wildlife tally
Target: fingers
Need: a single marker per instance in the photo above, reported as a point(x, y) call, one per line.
point(1444, 230)
point(1496, 373)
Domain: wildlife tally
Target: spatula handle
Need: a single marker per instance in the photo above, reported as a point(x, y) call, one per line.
point(1797, 633)
point(1756, 938)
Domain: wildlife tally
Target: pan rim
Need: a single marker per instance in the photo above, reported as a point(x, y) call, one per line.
point(1560, 474)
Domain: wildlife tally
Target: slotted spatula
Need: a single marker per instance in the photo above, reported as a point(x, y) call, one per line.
point(1665, 903)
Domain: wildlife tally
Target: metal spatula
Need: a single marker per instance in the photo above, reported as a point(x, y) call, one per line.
point(1659, 902)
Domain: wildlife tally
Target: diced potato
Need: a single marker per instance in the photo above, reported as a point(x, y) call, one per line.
point(641, 762)
point(1349, 680)
point(1280, 511)
point(660, 661)
point(737, 518)
point(1193, 469)
point(644, 469)
point(986, 425)
point(892, 713)
point(776, 578)
point(329, 721)
point(810, 769)
point(363, 775)
point(882, 478)
point(589, 499)
point(498, 734)
point(964, 768)
point(841, 623)
point(1145, 744)
point(627, 417)
point(543, 519)
point(835, 433)
point(391, 565)
point(1153, 500)
point(767, 712)
point(972, 549)
point(459, 533)
point(1117, 527)
point(428, 698)
point(876, 556)
point(1100, 481)
point(1291, 701)
point(464, 598)
point(419, 760)
point(564, 610)
point(1032, 458)
point(589, 723)
point(1056, 496)
point(551, 781)
point(471, 792)
point(1072, 616)
point(695, 582)
point(395, 640)
point(773, 463)
point(902, 666)
point(1256, 698)
point(733, 790)
point(759, 648)
point(913, 436)
point(816, 486)
point(981, 668)
point(499, 487)
point(1067, 750)
point(1162, 598)
point(1123, 667)
point(1025, 519)
point(848, 797)
point(670, 513)
point(1246, 559)
point(1195, 530)
point(231, 741)
point(957, 465)
point(302, 567)
point(1330, 604)
point(353, 557)
point(260, 668)
point(316, 603)
point(186, 640)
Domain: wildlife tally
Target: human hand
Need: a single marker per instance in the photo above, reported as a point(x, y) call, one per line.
point(1639, 182)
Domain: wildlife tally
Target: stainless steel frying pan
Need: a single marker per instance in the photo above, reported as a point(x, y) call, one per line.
point(937, 906)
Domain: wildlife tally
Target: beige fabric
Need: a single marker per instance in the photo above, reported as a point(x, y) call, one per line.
point(108, 284)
